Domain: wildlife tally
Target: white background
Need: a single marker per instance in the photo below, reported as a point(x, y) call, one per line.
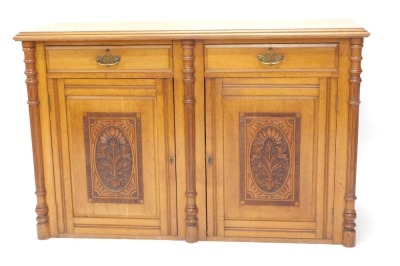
point(378, 227)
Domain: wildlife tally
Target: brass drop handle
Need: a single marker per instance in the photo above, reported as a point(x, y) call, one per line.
point(108, 59)
point(270, 58)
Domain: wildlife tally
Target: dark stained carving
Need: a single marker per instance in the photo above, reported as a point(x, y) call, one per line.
point(113, 157)
point(269, 158)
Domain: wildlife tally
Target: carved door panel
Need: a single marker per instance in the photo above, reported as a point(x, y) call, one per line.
point(114, 141)
point(269, 171)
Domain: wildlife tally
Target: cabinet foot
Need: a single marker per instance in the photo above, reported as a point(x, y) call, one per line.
point(349, 238)
point(192, 234)
point(43, 231)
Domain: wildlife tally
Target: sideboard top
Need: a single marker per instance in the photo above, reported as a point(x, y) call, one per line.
point(195, 30)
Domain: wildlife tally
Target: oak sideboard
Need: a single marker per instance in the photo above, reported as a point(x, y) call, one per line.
point(239, 131)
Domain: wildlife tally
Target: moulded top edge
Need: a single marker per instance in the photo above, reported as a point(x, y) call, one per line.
point(195, 30)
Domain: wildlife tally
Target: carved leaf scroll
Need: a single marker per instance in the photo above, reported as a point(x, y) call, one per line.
point(269, 158)
point(113, 157)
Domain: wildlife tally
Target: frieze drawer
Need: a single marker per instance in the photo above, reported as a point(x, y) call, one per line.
point(139, 58)
point(271, 57)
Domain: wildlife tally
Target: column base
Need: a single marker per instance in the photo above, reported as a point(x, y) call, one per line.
point(349, 238)
point(192, 234)
point(43, 231)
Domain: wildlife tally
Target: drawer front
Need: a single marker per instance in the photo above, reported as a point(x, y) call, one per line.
point(138, 58)
point(270, 57)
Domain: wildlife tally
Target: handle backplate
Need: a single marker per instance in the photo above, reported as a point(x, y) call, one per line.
point(108, 59)
point(270, 58)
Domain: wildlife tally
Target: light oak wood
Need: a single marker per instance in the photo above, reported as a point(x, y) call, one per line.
point(242, 131)
point(178, 30)
point(34, 115)
point(244, 58)
point(191, 210)
point(77, 97)
point(133, 58)
point(354, 102)
point(307, 98)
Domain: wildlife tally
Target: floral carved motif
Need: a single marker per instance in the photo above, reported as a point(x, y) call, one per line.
point(269, 158)
point(113, 157)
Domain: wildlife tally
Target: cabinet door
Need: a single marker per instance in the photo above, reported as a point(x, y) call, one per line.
point(269, 157)
point(114, 139)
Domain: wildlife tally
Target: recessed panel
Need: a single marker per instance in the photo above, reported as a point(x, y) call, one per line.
point(269, 158)
point(113, 149)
